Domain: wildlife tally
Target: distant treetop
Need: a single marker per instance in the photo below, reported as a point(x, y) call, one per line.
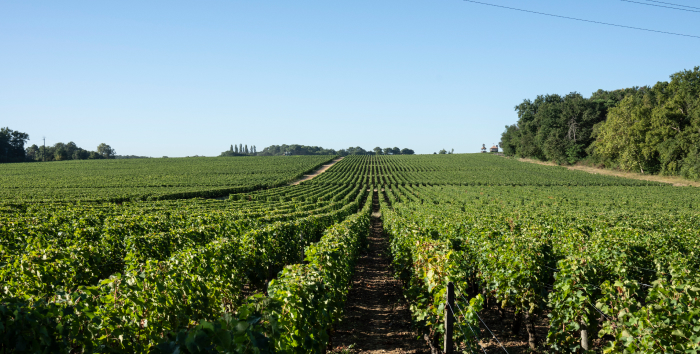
point(295, 149)
point(12, 149)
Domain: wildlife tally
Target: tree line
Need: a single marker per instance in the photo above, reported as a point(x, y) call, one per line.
point(12, 145)
point(240, 150)
point(443, 151)
point(12, 149)
point(68, 151)
point(295, 149)
point(645, 129)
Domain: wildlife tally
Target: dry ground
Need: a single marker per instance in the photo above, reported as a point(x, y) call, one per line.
point(500, 323)
point(317, 172)
point(377, 318)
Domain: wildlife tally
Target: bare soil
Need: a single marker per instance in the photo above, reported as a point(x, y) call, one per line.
point(500, 322)
point(674, 180)
point(377, 318)
point(317, 172)
point(501, 326)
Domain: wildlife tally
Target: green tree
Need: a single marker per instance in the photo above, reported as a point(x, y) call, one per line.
point(12, 145)
point(559, 128)
point(80, 154)
point(377, 150)
point(60, 152)
point(33, 153)
point(106, 151)
point(71, 148)
point(356, 151)
point(510, 140)
point(622, 140)
point(656, 130)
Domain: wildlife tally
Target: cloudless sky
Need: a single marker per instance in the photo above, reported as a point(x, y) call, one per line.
point(190, 78)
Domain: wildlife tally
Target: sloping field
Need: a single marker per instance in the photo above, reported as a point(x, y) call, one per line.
point(569, 260)
point(462, 169)
point(163, 178)
point(676, 181)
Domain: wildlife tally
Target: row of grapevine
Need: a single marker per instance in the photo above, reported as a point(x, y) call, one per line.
point(617, 259)
point(464, 170)
point(622, 269)
point(41, 270)
point(150, 179)
point(140, 312)
point(123, 278)
point(111, 225)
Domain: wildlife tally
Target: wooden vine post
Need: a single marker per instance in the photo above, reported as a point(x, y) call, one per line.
point(585, 345)
point(449, 318)
point(301, 239)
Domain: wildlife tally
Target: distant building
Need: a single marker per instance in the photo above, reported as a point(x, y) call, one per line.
point(494, 148)
point(483, 147)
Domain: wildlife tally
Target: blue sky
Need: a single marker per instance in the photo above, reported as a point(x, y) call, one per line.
point(183, 78)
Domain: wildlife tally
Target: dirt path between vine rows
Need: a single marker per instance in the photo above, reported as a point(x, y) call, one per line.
point(317, 172)
point(377, 318)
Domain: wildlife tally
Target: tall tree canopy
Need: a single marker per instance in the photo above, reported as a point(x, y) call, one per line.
point(656, 130)
point(69, 151)
point(12, 145)
point(644, 129)
point(558, 128)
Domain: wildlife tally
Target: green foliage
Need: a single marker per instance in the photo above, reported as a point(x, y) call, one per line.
point(648, 129)
point(251, 152)
point(556, 248)
point(459, 169)
point(126, 278)
point(242, 333)
point(154, 179)
point(426, 262)
point(690, 167)
point(667, 320)
point(303, 303)
point(617, 258)
point(558, 128)
point(12, 145)
point(655, 130)
point(106, 151)
point(69, 151)
point(294, 149)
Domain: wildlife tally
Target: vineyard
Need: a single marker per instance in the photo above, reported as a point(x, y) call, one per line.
point(110, 264)
point(149, 179)
point(474, 170)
